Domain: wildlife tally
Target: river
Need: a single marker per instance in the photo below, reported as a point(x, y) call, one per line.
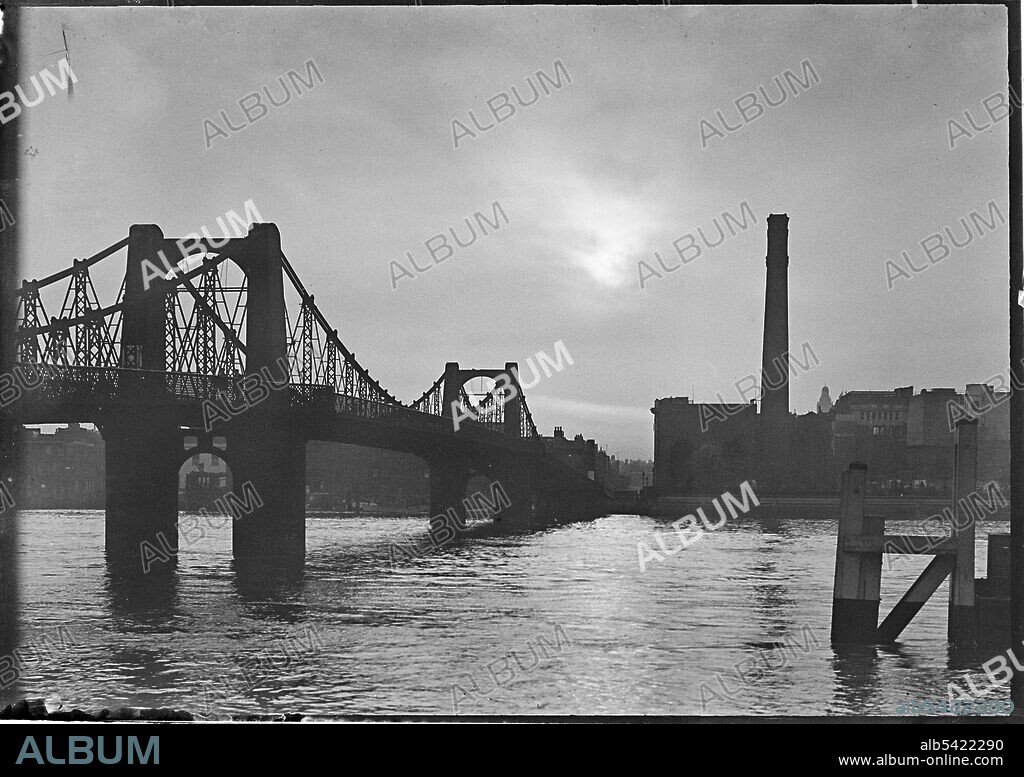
point(355, 633)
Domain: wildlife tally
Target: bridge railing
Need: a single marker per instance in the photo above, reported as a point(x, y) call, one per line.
point(71, 383)
point(326, 399)
point(62, 382)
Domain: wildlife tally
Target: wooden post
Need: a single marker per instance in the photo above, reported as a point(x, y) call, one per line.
point(856, 593)
point(999, 557)
point(961, 626)
point(862, 542)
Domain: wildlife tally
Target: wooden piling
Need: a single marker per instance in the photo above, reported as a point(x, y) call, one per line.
point(858, 577)
point(961, 624)
point(862, 542)
point(999, 557)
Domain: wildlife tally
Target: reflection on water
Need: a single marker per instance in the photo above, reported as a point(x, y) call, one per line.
point(148, 598)
point(469, 621)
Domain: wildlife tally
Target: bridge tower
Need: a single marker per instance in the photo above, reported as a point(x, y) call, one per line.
point(144, 449)
point(141, 446)
point(513, 410)
point(267, 448)
point(449, 476)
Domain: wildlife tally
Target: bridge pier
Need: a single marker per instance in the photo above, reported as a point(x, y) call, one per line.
point(518, 485)
point(142, 449)
point(558, 504)
point(142, 457)
point(447, 490)
point(269, 453)
point(268, 466)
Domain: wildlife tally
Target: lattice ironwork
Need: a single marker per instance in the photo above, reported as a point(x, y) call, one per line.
point(85, 333)
point(491, 411)
point(318, 358)
point(30, 308)
point(204, 317)
point(432, 400)
point(205, 322)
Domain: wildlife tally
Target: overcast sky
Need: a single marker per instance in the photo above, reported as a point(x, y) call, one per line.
point(593, 177)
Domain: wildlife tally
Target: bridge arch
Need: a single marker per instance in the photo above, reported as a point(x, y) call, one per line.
point(204, 478)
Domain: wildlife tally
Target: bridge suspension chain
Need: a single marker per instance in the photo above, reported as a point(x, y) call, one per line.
point(432, 398)
point(492, 412)
point(54, 340)
point(91, 330)
point(356, 380)
point(68, 271)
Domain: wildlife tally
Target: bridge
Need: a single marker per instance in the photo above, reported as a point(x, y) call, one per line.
point(186, 360)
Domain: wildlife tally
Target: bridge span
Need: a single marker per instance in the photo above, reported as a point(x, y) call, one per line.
point(188, 361)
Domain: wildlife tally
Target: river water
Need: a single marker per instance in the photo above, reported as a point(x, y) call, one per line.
point(355, 632)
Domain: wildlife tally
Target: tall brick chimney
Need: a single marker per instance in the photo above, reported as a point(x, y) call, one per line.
point(775, 347)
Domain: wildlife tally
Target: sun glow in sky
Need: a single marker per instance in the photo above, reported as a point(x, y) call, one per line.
point(615, 231)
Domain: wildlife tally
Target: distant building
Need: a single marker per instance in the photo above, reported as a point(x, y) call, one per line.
point(690, 460)
point(804, 464)
point(930, 441)
point(202, 480)
point(871, 427)
point(587, 458)
point(201, 462)
point(992, 409)
point(66, 470)
point(340, 476)
point(709, 448)
point(635, 474)
point(61, 470)
point(578, 453)
point(904, 439)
